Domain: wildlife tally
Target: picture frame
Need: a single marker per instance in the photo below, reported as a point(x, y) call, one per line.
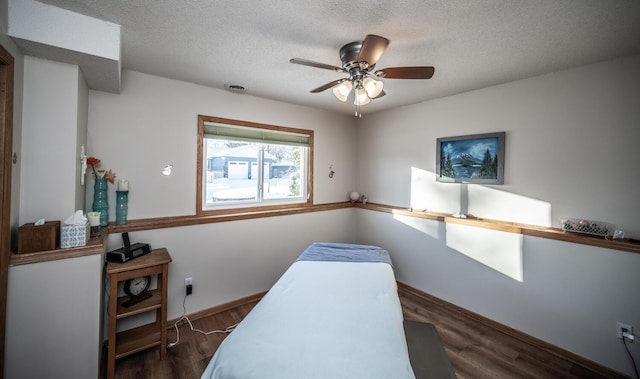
point(476, 158)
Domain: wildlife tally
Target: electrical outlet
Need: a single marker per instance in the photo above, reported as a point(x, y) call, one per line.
point(619, 329)
point(188, 283)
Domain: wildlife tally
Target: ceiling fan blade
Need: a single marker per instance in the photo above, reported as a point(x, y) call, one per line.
point(306, 62)
point(420, 72)
point(328, 85)
point(372, 48)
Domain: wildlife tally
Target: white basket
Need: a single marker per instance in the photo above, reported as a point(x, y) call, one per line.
point(596, 228)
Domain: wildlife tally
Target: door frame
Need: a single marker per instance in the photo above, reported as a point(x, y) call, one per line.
point(6, 160)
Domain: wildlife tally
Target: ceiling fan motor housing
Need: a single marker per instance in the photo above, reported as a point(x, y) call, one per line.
point(349, 57)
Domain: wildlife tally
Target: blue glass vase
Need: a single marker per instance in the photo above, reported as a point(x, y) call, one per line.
point(121, 207)
point(100, 203)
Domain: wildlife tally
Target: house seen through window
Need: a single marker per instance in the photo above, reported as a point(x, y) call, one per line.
point(246, 165)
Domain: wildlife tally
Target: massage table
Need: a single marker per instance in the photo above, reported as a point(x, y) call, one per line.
point(334, 313)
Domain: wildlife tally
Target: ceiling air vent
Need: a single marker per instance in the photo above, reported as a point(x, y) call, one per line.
point(238, 88)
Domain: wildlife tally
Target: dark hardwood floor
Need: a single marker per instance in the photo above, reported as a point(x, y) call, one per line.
point(478, 350)
point(474, 349)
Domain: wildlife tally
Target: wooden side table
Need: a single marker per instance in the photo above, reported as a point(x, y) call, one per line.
point(146, 336)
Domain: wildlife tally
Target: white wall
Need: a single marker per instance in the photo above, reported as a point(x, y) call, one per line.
point(154, 122)
point(53, 316)
point(571, 295)
point(80, 138)
point(571, 148)
point(570, 152)
point(49, 186)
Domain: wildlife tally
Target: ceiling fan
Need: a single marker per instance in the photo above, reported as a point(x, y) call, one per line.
point(358, 61)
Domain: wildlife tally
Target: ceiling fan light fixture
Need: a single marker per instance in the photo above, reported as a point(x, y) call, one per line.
point(373, 87)
point(362, 98)
point(359, 58)
point(342, 91)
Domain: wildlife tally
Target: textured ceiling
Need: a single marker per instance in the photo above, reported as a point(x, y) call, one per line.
point(472, 44)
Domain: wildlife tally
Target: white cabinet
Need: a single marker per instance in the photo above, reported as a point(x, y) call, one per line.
point(54, 318)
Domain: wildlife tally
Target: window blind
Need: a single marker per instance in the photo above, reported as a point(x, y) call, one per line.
point(245, 133)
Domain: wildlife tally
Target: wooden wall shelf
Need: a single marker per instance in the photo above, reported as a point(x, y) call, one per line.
point(95, 245)
point(511, 227)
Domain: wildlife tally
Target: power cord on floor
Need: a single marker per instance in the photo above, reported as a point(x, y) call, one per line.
point(624, 341)
point(186, 318)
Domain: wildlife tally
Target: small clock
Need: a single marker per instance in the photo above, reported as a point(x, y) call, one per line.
point(137, 289)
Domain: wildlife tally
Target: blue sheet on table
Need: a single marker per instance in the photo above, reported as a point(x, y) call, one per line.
point(342, 252)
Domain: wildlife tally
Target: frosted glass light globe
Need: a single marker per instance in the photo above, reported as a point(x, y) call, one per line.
point(354, 196)
point(343, 90)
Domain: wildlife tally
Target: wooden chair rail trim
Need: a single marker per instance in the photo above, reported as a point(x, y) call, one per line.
point(538, 343)
point(94, 246)
point(510, 227)
point(177, 221)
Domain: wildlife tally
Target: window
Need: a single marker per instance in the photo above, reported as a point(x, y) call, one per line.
point(248, 165)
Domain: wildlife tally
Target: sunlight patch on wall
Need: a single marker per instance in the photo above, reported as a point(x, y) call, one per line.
point(428, 194)
point(478, 200)
point(494, 204)
point(428, 227)
point(501, 251)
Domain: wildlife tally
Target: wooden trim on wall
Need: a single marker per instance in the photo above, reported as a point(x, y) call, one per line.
point(177, 221)
point(6, 146)
point(543, 345)
point(219, 308)
point(504, 226)
point(510, 227)
point(94, 246)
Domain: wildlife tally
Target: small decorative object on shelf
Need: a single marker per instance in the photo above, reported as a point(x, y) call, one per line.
point(94, 223)
point(137, 289)
point(100, 202)
point(583, 226)
point(122, 198)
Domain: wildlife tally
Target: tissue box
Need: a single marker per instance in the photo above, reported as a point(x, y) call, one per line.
point(32, 238)
point(74, 235)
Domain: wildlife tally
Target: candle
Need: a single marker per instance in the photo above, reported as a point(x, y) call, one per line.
point(123, 185)
point(94, 218)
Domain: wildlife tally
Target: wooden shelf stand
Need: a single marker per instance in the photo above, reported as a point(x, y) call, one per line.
point(146, 336)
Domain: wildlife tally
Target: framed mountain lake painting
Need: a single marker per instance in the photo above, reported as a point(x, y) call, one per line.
point(477, 158)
